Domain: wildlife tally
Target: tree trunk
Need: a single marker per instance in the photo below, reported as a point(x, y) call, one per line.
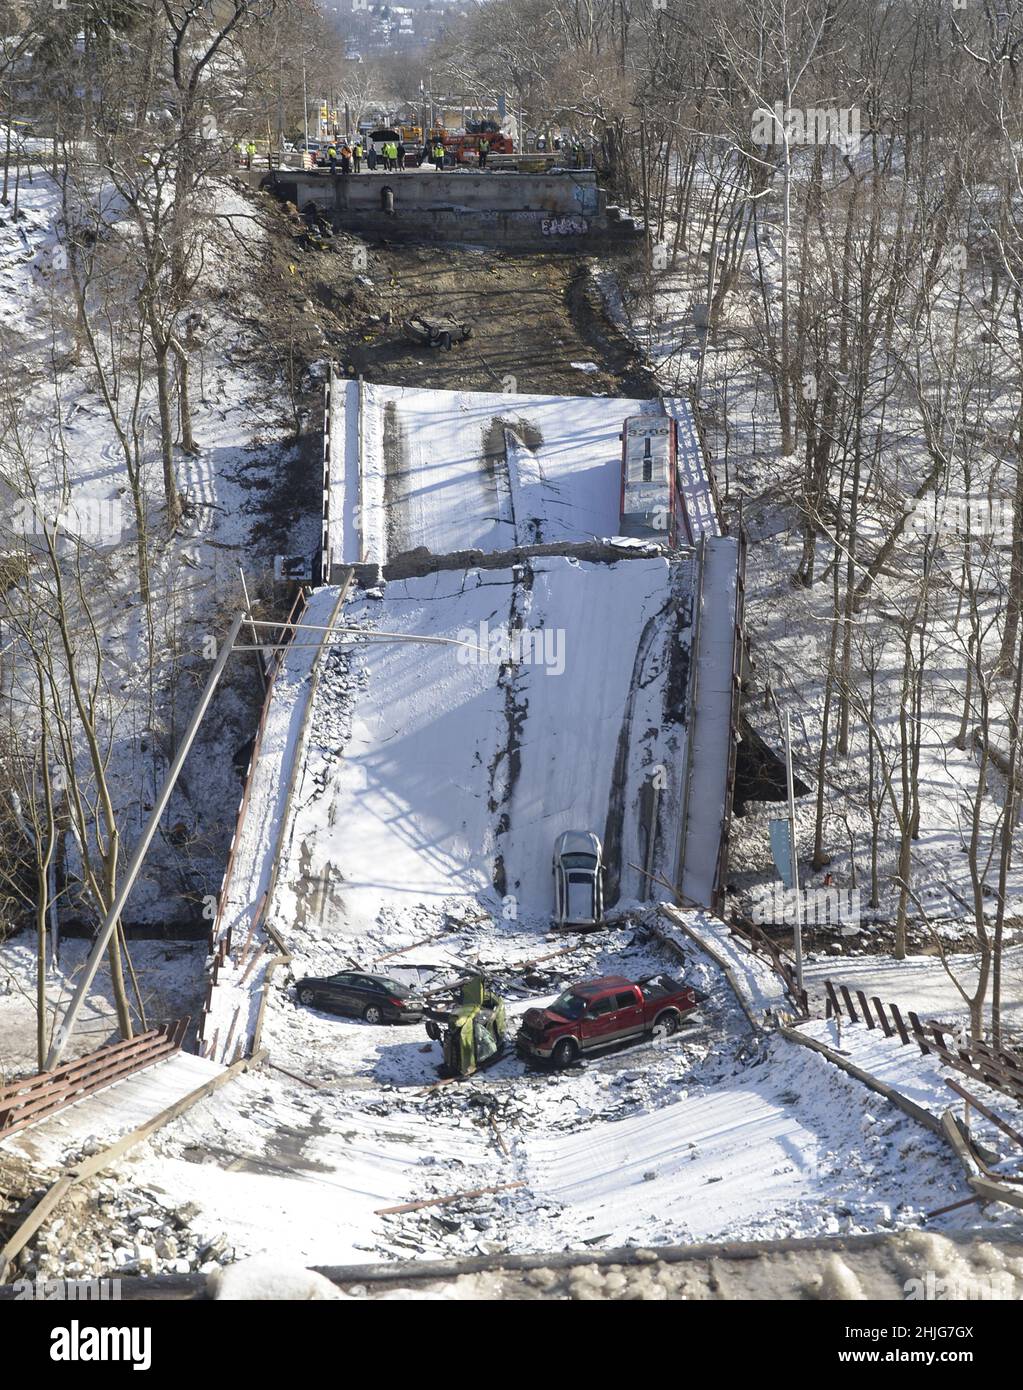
point(172, 498)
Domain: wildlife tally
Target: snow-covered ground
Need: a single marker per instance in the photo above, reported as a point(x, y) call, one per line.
point(920, 983)
point(26, 248)
point(920, 1079)
point(789, 625)
point(194, 575)
point(170, 974)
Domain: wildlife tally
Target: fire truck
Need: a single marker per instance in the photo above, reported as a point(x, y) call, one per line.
point(464, 146)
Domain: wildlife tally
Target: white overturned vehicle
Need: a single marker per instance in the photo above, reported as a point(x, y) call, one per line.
point(578, 879)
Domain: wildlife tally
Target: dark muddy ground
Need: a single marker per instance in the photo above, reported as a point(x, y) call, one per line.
point(532, 317)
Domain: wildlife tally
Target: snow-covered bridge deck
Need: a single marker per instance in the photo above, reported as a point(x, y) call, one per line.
point(437, 774)
point(430, 780)
point(105, 1116)
point(460, 470)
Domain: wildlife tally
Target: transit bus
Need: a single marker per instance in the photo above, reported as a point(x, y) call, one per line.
point(650, 505)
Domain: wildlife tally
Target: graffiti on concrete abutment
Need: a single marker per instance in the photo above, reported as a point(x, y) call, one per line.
point(564, 226)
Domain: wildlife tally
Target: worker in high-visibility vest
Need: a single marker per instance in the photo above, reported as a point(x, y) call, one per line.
point(250, 150)
point(438, 154)
point(357, 154)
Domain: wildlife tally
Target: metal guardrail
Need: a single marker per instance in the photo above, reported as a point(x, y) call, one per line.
point(33, 1098)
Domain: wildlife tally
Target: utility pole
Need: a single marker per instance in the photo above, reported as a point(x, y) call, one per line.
point(305, 108)
point(280, 106)
point(106, 931)
point(794, 856)
point(230, 645)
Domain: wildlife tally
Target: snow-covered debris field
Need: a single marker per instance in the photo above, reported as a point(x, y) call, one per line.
point(707, 1136)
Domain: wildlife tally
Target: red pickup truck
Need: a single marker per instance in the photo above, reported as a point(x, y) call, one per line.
point(594, 1013)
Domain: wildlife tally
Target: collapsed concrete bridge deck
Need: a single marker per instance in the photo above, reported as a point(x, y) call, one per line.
point(500, 667)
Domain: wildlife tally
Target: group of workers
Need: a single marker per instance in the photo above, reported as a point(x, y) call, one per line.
point(347, 156)
point(392, 154)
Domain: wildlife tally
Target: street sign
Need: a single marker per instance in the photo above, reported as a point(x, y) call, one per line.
point(781, 849)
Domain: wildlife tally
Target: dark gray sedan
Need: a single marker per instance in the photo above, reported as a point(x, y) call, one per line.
point(376, 998)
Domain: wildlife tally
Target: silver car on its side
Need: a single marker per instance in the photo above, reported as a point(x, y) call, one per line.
point(578, 879)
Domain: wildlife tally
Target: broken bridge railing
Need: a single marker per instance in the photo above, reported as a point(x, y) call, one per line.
point(219, 936)
point(761, 944)
point(220, 942)
point(32, 1098)
point(1000, 1068)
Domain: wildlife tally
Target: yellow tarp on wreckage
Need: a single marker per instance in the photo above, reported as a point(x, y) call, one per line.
point(477, 1037)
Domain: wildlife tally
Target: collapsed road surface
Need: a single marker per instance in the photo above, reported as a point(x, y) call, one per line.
point(469, 705)
point(345, 1149)
point(435, 774)
point(452, 471)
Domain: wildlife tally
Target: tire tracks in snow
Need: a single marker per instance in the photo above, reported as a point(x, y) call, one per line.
point(506, 764)
point(614, 820)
